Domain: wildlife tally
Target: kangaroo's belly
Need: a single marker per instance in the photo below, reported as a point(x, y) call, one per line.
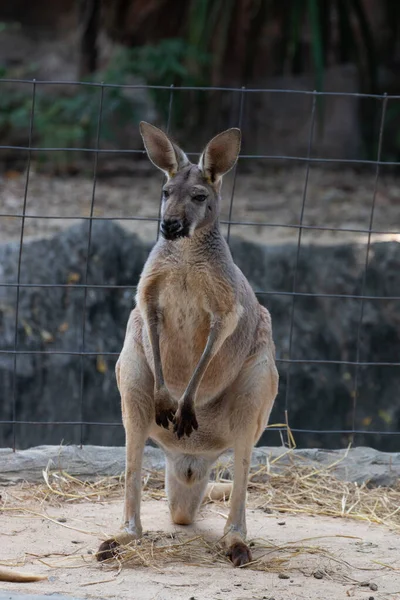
point(184, 329)
point(183, 336)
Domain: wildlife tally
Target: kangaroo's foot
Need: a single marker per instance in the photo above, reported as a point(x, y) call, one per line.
point(111, 548)
point(185, 421)
point(235, 545)
point(239, 553)
point(107, 550)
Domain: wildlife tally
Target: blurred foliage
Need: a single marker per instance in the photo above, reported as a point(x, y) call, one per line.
point(165, 63)
point(65, 120)
point(249, 40)
point(353, 41)
point(171, 62)
point(304, 38)
point(216, 42)
point(61, 121)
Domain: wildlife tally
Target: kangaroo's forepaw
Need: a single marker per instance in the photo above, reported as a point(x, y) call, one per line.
point(107, 550)
point(165, 408)
point(165, 416)
point(239, 554)
point(185, 421)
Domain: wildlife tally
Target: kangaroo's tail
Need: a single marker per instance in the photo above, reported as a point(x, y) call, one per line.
point(18, 576)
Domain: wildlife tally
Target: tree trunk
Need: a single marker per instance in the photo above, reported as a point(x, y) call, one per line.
point(89, 23)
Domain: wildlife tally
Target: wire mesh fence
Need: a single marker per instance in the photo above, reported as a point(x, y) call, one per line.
point(284, 362)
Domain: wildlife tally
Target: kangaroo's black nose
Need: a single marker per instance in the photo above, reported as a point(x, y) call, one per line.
point(170, 228)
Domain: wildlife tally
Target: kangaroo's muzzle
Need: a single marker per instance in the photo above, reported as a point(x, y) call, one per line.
point(173, 229)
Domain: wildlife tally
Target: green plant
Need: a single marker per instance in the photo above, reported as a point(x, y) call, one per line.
point(170, 62)
point(314, 33)
point(354, 40)
point(240, 24)
point(70, 119)
point(62, 121)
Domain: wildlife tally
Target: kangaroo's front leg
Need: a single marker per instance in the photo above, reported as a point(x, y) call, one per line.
point(221, 327)
point(165, 405)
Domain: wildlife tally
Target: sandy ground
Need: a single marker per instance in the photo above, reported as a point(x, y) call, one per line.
point(271, 196)
point(345, 551)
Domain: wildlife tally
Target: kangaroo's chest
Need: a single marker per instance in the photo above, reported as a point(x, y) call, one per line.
point(184, 324)
point(183, 305)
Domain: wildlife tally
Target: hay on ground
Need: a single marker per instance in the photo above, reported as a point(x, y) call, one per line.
point(288, 484)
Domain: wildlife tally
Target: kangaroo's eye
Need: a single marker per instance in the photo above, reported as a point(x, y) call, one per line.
point(200, 197)
point(166, 194)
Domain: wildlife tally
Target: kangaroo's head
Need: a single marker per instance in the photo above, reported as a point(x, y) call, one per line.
point(192, 192)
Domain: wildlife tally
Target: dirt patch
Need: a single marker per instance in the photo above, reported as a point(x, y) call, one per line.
point(272, 196)
point(296, 555)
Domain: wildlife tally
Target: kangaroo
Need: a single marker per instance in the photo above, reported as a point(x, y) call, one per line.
point(197, 370)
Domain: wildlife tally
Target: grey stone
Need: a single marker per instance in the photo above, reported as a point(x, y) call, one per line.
point(321, 396)
point(48, 385)
point(358, 465)
point(88, 461)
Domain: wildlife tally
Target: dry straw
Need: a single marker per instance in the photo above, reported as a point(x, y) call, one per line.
point(287, 484)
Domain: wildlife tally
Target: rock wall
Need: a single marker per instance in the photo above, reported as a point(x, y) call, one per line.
point(320, 397)
point(361, 465)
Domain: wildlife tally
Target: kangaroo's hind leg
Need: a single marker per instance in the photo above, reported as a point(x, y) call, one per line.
point(252, 397)
point(135, 382)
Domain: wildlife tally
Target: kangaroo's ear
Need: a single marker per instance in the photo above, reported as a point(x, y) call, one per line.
point(220, 155)
point(163, 153)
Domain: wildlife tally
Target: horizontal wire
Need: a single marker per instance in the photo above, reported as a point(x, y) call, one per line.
point(185, 88)
point(222, 221)
point(314, 159)
point(269, 428)
point(257, 292)
point(279, 360)
point(76, 218)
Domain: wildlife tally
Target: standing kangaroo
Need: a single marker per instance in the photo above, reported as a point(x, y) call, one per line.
point(196, 373)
